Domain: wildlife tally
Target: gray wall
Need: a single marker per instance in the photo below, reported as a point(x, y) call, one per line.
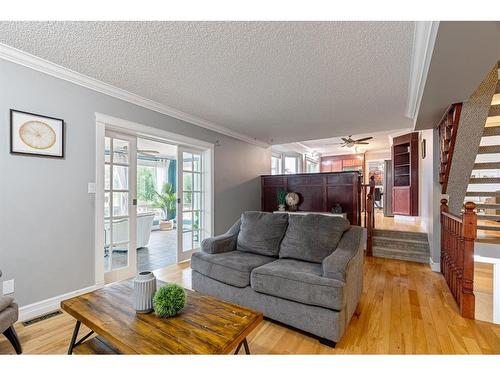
point(46, 214)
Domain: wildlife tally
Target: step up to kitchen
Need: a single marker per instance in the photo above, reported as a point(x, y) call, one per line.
point(401, 245)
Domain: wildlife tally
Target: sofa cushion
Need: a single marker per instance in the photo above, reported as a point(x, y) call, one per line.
point(298, 281)
point(8, 316)
point(312, 237)
point(261, 232)
point(232, 268)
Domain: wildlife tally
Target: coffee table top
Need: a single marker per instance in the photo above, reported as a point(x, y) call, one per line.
point(206, 325)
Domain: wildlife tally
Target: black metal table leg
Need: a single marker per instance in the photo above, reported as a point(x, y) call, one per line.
point(238, 348)
point(245, 344)
point(73, 338)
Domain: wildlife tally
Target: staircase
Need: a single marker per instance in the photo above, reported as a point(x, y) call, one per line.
point(409, 246)
point(484, 183)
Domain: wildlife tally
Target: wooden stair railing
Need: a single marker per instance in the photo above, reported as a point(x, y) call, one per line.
point(457, 255)
point(448, 127)
point(370, 217)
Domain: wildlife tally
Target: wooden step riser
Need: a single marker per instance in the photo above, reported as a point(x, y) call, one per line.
point(497, 90)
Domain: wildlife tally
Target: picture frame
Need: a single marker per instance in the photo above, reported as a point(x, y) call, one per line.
point(32, 134)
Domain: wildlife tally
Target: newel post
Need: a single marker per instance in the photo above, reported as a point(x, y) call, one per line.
point(443, 258)
point(370, 219)
point(469, 233)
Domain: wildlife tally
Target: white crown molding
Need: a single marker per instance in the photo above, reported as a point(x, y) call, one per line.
point(424, 39)
point(36, 63)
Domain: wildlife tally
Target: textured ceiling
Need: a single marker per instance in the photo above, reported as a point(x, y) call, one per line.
point(381, 141)
point(275, 81)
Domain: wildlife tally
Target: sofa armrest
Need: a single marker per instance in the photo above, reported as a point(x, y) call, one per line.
point(349, 249)
point(224, 243)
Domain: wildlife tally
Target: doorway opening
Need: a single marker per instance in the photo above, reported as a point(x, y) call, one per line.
point(154, 198)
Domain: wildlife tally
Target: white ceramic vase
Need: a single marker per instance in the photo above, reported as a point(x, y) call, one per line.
point(144, 290)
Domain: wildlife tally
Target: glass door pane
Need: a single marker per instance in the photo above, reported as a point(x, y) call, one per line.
point(190, 224)
point(119, 206)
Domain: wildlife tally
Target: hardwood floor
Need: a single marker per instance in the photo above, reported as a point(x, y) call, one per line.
point(405, 308)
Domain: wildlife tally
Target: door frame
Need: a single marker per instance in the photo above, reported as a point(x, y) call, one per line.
point(103, 122)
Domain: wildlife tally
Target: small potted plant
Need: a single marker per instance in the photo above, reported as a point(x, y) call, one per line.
point(281, 199)
point(166, 201)
point(169, 300)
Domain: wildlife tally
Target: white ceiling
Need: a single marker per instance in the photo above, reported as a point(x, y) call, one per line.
point(274, 81)
point(381, 142)
point(164, 149)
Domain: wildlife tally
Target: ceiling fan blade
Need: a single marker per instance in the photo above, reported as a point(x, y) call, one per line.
point(343, 145)
point(364, 139)
point(362, 143)
point(345, 139)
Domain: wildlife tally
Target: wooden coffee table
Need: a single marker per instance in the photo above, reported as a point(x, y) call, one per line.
point(206, 325)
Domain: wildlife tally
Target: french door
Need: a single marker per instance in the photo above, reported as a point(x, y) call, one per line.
point(120, 165)
point(190, 202)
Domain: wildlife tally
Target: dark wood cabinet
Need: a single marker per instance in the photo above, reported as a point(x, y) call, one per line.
point(405, 175)
point(318, 192)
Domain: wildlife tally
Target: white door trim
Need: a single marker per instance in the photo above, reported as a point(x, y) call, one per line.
point(129, 127)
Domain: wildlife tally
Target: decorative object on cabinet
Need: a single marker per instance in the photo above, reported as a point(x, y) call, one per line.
point(337, 209)
point(405, 175)
point(281, 199)
point(36, 135)
point(292, 200)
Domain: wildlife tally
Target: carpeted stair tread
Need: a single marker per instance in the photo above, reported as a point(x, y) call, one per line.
point(494, 110)
point(484, 180)
point(488, 227)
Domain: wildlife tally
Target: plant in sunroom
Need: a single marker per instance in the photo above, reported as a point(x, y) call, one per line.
point(166, 201)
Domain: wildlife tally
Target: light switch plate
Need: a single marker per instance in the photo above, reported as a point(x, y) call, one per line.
point(8, 286)
point(91, 188)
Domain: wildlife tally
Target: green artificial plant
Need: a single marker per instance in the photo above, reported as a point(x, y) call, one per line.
point(166, 201)
point(169, 300)
point(281, 196)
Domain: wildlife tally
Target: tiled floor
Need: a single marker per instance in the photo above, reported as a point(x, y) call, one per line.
point(160, 252)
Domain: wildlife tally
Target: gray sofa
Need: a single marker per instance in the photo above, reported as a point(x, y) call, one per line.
point(9, 313)
point(305, 271)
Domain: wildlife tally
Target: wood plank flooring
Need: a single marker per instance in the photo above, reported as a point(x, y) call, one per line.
point(405, 308)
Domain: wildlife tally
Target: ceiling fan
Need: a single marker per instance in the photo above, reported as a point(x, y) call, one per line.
point(141, 151)
point(349, 142)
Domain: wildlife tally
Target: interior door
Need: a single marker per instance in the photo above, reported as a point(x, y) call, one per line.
point(120, 165)
point(190, 202)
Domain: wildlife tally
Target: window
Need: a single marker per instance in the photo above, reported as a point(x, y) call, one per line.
point(291, 164)
point(276, 164)
point(312, 166)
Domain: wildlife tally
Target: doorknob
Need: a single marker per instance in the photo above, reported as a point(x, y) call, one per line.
point(178, 200)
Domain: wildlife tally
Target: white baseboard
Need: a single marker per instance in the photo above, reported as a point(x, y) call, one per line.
point(435, 266)
point(51, 304)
